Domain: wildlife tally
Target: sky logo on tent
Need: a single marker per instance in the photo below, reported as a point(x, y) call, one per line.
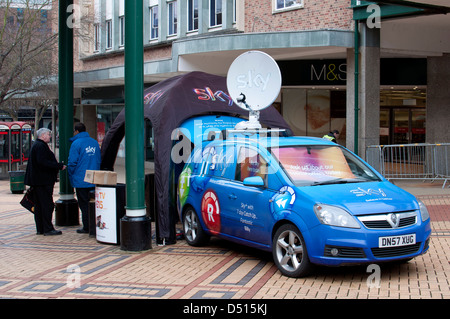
point(152, 97)
point(207, 94)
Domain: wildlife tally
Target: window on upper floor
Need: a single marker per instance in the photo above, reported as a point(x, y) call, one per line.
point(121, 31)
point(96, 37)
point(20, 16)
point(284, 5)
point(172, 18)
point(154, 22)
point(192, 15)
point(215, 13)
point(109, 34)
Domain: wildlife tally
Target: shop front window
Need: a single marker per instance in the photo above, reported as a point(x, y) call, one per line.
point(314, 112)
point(106, 114)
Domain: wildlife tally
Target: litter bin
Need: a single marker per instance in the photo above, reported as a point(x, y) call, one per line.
point(110, 204)
point(16, 181)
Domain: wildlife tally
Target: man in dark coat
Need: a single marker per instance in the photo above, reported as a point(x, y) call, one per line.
point(41, 174)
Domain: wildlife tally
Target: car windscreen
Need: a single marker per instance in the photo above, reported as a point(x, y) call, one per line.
point(308, 165)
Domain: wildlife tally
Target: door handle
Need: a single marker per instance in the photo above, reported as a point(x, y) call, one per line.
point(232, 196)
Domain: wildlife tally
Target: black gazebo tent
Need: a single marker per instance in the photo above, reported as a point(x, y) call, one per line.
point(167, 105)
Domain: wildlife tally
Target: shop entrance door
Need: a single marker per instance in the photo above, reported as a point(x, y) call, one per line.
point(408, 126)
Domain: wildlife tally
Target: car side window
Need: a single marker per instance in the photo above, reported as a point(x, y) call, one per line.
point(225, 167)
point(250, 163)
point(209, 160)
point(219, 161)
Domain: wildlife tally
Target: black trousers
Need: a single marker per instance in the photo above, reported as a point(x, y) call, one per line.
point(83, 203)
point(44, 206)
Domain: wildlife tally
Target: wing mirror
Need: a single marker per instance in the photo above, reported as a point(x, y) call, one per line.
point(255, 181)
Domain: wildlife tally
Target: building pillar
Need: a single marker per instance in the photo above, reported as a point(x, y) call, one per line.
point(369, 88)
point(135, 230)
point(364, 130)
point(438, 99)
point(350, 110)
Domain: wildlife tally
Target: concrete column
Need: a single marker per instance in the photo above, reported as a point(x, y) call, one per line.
point(369, 88)
point(367, 122)
point(90, 119)
point(227, 14)
point(350, 120)
point(438, 99)
point(203, 16)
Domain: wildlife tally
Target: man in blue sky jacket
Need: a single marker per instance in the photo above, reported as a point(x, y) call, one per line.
point(84, 154)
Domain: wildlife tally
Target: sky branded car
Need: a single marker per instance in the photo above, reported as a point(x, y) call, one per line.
point(307, 200)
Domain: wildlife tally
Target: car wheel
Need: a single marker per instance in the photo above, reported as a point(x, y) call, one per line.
point(289, 252)
point(193, 231)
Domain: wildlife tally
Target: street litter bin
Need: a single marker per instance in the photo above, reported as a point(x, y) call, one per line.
point(16, 181)
point(110, 204)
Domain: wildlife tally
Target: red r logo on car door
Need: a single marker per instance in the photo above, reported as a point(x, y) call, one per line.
point(211, 211)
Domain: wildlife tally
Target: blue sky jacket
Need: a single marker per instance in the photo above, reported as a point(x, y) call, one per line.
point(84, 155)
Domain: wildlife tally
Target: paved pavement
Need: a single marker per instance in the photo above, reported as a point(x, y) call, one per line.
point(78, 266)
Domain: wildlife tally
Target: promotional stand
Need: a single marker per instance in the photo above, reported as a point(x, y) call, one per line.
point(110, 208)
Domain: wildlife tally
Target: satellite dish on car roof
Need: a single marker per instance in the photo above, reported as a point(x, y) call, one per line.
point(253, 82)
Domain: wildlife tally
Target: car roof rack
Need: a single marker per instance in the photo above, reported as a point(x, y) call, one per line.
point(246, 133)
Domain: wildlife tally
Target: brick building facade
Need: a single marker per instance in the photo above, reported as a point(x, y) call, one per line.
point(398, 63)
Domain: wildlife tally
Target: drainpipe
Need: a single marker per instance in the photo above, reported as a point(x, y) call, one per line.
point(356, 88)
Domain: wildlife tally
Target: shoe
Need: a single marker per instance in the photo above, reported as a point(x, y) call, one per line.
point(82, 231)
point(53, 232)
point(39, 233)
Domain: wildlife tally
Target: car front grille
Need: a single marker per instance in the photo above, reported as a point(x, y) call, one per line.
point(354, 252)
point(395, 251)
point(386, 221)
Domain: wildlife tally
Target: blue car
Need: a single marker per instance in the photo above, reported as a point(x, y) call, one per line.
point(307, 200)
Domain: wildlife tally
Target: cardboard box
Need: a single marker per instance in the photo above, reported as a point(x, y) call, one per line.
point(101, 177)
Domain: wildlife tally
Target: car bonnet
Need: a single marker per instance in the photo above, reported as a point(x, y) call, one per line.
point(362, 198)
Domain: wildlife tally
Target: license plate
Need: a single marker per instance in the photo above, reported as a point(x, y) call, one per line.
point(397, 241)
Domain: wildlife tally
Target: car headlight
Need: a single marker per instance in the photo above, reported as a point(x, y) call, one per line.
point(334, 216)
point(423, 210)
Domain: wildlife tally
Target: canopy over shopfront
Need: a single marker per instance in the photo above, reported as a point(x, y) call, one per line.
point(167, 105)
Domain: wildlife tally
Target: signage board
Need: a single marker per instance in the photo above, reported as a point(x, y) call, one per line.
point(105, 214)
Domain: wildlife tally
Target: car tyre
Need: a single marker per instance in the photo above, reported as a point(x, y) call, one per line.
point(289, 252)
point(193, 231)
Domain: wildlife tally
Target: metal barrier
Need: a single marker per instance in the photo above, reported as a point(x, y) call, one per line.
point(411, 161)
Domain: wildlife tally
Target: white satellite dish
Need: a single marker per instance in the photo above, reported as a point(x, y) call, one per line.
point(254, 82)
